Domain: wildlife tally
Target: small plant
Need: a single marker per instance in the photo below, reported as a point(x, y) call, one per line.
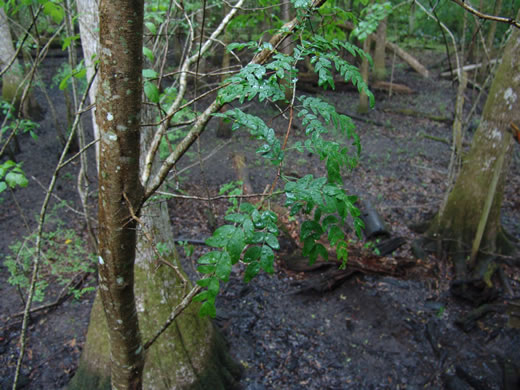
point(16, 124)
point(11, 175)
point(233, 188)
point(63, 257)
point(371, 245)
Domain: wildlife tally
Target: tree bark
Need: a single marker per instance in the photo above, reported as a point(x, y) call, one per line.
point(456, 225)
point(120, 191)
point(379, 52)
point(189, 354)
point(88, 26)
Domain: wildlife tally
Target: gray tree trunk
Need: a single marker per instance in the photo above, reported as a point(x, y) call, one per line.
point(88, 17)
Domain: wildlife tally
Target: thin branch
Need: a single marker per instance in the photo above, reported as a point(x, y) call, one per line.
point(150, 156)
point(20, 47)
point(41, 222)
point(212, 198)
point(83, 150)
point(468, 7)
point(61, 297)
point(174, 314)
point(151, 241)
point(58, 198)
point(152, 184)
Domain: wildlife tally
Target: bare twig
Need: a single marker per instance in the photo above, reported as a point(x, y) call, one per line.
point(207, 199)
point(174, 314)
point(41, 222)
point(468, 7)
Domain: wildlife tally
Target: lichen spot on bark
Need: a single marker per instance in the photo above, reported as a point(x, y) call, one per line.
point(510, 97)
point(110, 136)
point(106, 51)
point(101, 261)
point(139, 303)
point(496, 135)
point(120, 280)
point(110, 117)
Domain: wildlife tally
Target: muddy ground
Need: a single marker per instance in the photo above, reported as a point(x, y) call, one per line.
point(370, 332)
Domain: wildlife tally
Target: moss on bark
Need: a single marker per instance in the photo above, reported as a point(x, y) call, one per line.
point(190, 354)
point(456, 224)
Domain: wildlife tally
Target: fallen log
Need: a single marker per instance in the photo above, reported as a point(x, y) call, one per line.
point(406, 57)
point(395, 88)
point(409, 59)
point(418, 114)
point(465, 68)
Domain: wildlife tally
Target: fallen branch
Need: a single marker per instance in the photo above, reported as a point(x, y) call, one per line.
point(409, 59)
point(64, 293)
point(406, 57)
point(395, 88)
point(418, 114)
point(466, 68)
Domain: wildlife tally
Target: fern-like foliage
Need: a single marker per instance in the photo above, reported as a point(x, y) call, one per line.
point(251, 235)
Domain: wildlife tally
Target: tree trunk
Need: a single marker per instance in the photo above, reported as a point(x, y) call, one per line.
point(189, 354)
point(456, 225)
point(363, 105)
point(12, 80)
point(379, 53)
point(120, 191)
point(88, 26)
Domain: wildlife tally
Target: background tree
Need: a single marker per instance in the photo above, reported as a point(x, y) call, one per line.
point(470, 218)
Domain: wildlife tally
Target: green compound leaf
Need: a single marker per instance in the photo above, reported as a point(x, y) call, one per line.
point(208, 309)
point(251, 271)
point(152, 92)
point(223, 268)
point(252, 254)
point(236, 245)
point(267, 259)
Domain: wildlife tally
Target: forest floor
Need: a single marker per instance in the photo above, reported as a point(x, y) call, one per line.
point(369, 332)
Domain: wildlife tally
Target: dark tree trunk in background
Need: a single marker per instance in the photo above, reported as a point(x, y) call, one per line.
point(379, 52)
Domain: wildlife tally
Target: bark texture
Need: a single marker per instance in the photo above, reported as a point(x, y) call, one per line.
point(379, 52)
point(457, 223)
point(120, 191)
point(190, 354)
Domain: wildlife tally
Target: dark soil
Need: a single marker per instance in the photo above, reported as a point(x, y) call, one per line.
point(371, 332)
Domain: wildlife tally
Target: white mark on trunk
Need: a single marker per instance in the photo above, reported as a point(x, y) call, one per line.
point(510, 97)
point(487, 164)
point(121, 128)
point(139, 303)
point(110, 117)
point(100, 259)
point(106, 52)
point(111, 136)
point(120, 280)
point(496, 135)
